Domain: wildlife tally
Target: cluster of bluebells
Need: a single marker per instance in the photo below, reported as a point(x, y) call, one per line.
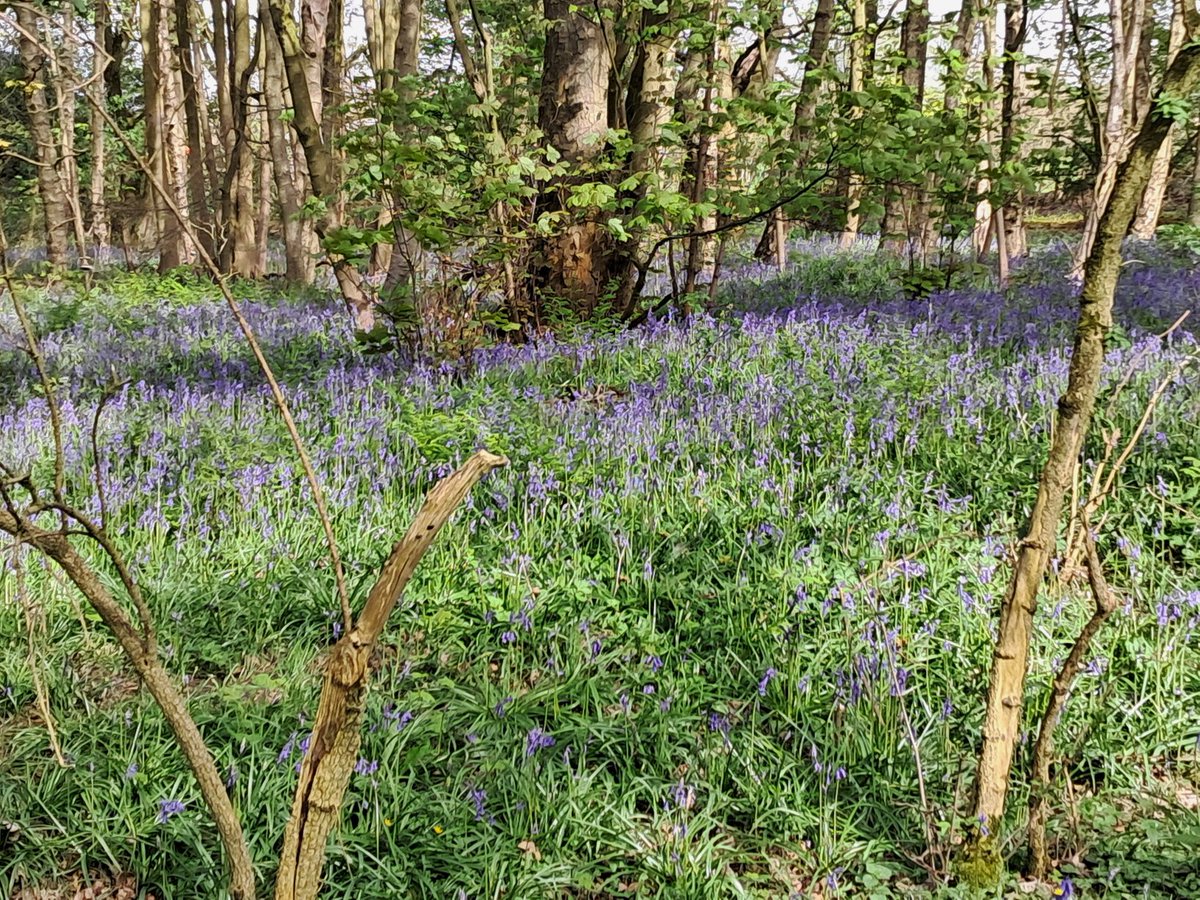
point(802, 409)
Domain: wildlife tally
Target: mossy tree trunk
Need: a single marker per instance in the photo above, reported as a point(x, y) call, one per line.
point(1002, 722)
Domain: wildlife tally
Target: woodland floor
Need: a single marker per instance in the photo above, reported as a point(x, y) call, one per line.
point(729, 606)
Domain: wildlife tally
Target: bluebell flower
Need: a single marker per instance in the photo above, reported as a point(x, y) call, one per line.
point(169, 808)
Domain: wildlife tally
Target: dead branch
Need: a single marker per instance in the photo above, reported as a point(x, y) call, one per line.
point(337, 731)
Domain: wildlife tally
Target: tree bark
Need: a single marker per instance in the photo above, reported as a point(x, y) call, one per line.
point(772, 244)
point(403, 28)
point(1126, 17)
point(337, 730)
point(101, 59)
point(572, 264)
point(1016, 16)
point(193, 100)
point(854, 182)
point(982, 861)
point(646, 111)
point(902, 228)
point(297, 239)
point(56, 210)
point(319, 158)
point(238, 255)
point(1146, 222)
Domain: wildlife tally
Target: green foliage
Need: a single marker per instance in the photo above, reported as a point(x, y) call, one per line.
point(674, 490)
point(1181, 237)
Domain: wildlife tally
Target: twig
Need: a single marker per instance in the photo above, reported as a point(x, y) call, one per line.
point(104, 398)
point(1043, 748)
point(35, 353)
point(337, 731)
point(39, 686)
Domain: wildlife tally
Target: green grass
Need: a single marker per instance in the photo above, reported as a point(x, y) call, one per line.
point(806, 519)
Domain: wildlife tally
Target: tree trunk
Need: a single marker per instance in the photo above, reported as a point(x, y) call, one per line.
point(982, 235)
point(572, 264)
point(319, 158)
point(1146, 222)
point(854, 182)
point(901, 229)
point(56, 210)
point(297, 246)
point(1126, 17)
point(402, 27)
point(1002, 722)
point(65, 79)
point(706, 165)
point(1016, 16)
point(238, 255)
point(173, 143)
point(99, 208)
point(337, 731)
point(197, 189)
point(646, 111)
point(772, 245)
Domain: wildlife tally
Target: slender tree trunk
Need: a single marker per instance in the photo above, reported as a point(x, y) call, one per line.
point(56, 211)
point(66, 80)
point(901, 229)
point(197, 189)
point(99, 208)
point(773, 244)
point(982, 861)
point(173, 143)
point(1126, 18)
point(1016, 15)
point(288, 179)
point(238, 255)
point(706, 165)
point(314, 30)
point(646, 111)
point(319, 158)
point(984, 217)
point(400, 23)
point(1146, 222)
point(854, 184)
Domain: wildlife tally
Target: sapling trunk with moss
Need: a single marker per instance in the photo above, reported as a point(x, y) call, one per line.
point(981, 861)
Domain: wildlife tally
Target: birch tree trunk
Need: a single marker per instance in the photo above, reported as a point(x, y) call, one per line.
point(99, 233)
point(982, 861)
point(173, 144)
